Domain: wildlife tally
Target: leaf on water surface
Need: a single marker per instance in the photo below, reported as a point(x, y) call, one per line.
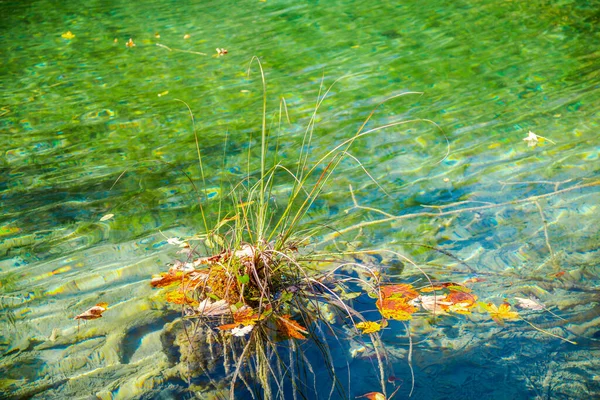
point(106, 217)
point(290, 328)
point(501, 313)
point(68, 35)
point(432, 303)
point(393, 301)
point(395, 308)
point(369, 327)
point(455, 287)
point(167, 278)
point(402, 290)
point(462, 302)
point(373, 396)
point(93, 312)
point(529, 304)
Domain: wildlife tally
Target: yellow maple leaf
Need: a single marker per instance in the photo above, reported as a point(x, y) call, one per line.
point(369, 327)
point(68, 35)
point(499, 314)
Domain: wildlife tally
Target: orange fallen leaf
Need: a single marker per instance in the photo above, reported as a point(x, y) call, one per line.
point(227, 327)
point(402, 290)
point(166, 278)
point(246, 316)
point(461, 302)
point(373, 396)
point(290, 328)
point(395, 308)
point(93, 312)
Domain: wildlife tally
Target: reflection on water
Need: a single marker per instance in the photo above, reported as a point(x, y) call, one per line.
point(91, 126)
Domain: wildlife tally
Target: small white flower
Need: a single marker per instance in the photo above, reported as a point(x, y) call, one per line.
point(242, 331)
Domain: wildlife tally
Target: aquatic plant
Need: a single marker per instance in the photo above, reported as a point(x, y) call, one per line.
point(253, 292)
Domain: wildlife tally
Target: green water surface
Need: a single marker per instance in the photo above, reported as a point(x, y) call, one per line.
point(80, 112)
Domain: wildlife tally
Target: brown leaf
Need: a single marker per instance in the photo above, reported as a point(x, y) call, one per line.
point(93, 312)
point(213, 309)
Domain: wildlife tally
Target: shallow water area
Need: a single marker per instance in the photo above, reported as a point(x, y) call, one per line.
point(98, 169)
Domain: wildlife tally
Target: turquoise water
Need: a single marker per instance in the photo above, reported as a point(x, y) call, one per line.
point(77, 114)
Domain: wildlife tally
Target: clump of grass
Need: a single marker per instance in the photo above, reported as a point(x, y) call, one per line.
point(249, 284)
point(254, 297)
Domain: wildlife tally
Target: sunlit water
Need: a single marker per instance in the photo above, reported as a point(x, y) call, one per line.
point(79, 112)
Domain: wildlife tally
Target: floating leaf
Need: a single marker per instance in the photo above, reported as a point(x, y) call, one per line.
point(398, 291)
point(499, 314)
point(290, 328)
point(373, 396)
point(529, 304)
point(434, 303)
point(107, 217)
point(167, 278)
point(461, 302)
point(395, 308)
point(393, 301)
point(67, 35)
point(456, 287)
point(93, 312)
point(369, 327)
